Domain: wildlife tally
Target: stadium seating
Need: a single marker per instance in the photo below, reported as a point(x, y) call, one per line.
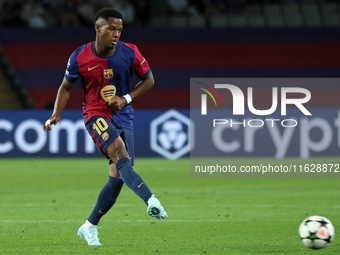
point(273, 15)
point(159, 21)
point(197, 21)
point(238, 21)
point(307, 13)
point(175, 56)
point(178, 21)
point(257, 21)
point(330, 14)
point(267, 40)
point(219, 21)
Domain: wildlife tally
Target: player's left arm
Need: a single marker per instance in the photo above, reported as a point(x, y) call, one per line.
point(142, 87)
point(142, 70)
point(117, 103)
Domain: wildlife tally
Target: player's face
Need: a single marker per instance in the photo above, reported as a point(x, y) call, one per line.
point(109, 33)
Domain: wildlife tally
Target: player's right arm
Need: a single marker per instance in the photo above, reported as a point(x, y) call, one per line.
point(72, 73)
point(63, 95)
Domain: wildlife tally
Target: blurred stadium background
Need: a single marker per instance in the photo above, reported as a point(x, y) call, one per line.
point(180, 39)
point(44, 201)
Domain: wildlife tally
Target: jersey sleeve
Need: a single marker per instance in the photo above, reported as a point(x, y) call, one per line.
point(72, 70)
point(140, 65)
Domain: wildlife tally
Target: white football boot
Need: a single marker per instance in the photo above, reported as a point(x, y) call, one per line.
point(155, 209)
point(89, 234)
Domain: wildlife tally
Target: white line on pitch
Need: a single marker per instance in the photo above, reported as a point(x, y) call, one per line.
point(167, 205)
point(133, 221)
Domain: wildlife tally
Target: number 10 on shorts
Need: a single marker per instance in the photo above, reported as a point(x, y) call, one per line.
point(100, 126)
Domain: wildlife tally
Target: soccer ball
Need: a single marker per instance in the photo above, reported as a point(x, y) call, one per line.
point(316, 232)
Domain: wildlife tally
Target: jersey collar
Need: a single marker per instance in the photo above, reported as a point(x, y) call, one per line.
point(95, 53)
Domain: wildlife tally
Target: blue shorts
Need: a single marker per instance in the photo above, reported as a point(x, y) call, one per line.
point(104, 132)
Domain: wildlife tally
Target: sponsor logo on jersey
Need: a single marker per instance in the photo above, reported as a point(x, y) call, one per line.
point(108, 73)
point(105, 136)
point(108, 92)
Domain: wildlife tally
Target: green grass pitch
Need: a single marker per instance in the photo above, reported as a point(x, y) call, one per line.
point(43, 202)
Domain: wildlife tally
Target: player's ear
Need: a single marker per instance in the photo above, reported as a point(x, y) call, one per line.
point(97, 27)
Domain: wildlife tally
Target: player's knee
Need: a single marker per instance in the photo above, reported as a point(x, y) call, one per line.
point(122, 153)
point(113, 170)
point(117, 151)
point(117, 156)
point(114, 173)
point(122, 163)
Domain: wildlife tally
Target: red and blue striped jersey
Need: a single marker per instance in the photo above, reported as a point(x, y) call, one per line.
point(104, 77)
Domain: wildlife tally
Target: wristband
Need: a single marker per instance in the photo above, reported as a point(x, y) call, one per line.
point(128, 98)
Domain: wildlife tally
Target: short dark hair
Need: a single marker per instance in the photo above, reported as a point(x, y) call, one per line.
point(106, 13)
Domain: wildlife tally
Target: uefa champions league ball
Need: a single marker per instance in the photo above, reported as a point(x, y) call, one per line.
point(316, 232)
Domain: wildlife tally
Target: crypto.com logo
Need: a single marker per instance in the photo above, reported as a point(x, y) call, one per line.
point(170, 134)
point(238, 103)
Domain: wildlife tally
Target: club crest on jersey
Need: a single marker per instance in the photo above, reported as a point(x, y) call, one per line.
point(108, 73)
point(108, 92)
point(105, 136)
